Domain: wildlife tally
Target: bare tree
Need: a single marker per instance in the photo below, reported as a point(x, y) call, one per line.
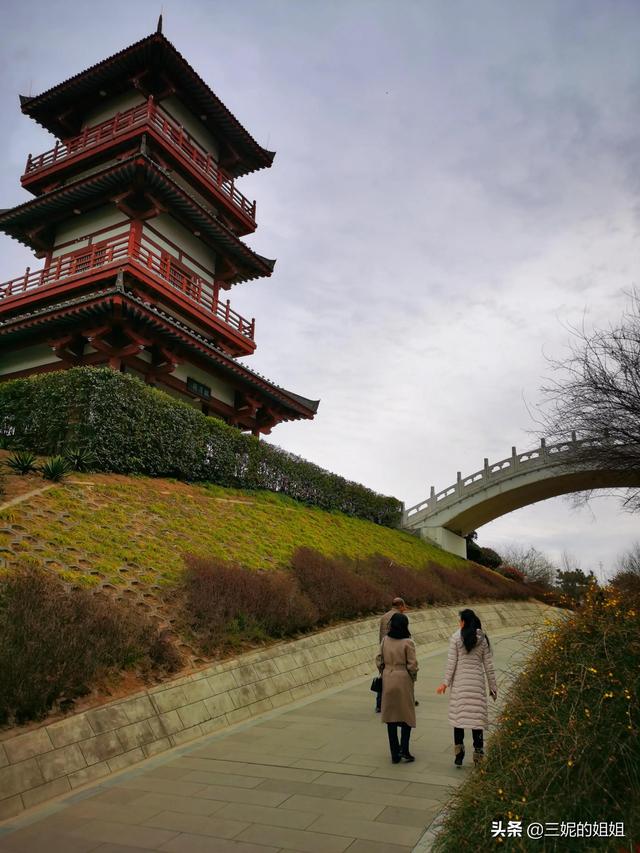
point(534, 565)
point(569, 562)
point(627, 578)
point(629, 561)
point(596, 393)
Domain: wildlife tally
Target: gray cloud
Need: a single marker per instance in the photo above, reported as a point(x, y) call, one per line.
point(455, 183)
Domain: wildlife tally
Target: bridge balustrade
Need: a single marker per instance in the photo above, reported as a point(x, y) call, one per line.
point(529, 460)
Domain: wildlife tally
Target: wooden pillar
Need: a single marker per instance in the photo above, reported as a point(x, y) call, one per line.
point(135, 237)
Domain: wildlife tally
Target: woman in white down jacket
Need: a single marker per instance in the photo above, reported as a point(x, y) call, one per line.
point(469, 662)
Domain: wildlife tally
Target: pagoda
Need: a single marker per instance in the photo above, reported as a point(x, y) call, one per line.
point(138, 221)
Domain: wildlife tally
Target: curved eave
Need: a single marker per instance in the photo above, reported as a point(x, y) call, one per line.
point(138, 167)
point(296, 405)
point(154, 51)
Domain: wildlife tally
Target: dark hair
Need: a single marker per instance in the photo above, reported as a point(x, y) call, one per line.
point(468, 631)
point(398, 627)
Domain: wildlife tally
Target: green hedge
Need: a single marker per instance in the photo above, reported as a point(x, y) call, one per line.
point(131, 428)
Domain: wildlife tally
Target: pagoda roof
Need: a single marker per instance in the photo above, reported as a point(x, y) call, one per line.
point(60, 109)
point(96, 302)
point(138, 172)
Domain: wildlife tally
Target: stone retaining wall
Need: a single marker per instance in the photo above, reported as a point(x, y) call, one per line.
point(55, 758)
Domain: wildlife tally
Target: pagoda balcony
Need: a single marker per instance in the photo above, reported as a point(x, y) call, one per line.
point(147, 117)
point(148, 263)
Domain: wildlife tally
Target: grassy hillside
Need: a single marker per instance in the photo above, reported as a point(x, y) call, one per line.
point(93, 526)
point(167, 574)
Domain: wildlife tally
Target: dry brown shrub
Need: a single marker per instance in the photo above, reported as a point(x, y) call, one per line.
point(227, 603)
point(480, 583)
point(55, 642)
point(416, 586)
point(336, 590)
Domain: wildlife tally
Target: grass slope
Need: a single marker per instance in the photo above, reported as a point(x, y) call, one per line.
point(94, 526)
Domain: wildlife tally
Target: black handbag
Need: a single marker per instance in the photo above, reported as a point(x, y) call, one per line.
point(376, 684)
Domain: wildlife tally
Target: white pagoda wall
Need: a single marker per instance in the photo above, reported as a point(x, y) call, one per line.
point(219, 389)
point(80, 227)
point(23, 359)
point(110, 106)
point(191, 124)
point(177, 235)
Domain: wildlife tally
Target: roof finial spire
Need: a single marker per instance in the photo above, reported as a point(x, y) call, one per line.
point(159, 27)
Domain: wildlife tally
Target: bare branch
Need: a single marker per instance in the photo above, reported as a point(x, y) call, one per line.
point(595, 391)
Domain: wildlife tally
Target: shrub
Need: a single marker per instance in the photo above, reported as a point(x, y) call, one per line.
point(627, 582)
point(336, 591)
point(479, 583)
point(130, 428)
point(55, 642)
point(163, 653)
point(490, 558)
point(23, 462)
point(417, 588)
point(483, 556)
point(228, 603)
point(567, 746)
point(55, 469)
point(511, 573)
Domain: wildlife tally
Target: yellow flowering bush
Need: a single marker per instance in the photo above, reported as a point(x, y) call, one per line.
point(567, 745)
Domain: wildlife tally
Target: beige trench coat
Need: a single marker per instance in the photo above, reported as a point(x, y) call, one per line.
point(384, 623)
point(397, 662)
point(465, 676)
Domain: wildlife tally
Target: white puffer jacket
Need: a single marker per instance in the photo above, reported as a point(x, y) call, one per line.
point(465, 677)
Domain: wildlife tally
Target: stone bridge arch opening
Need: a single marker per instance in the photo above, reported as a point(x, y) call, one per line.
point(519, 480)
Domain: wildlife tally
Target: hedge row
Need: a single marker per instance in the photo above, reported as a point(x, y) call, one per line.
point(228, 605)
point(130, 428)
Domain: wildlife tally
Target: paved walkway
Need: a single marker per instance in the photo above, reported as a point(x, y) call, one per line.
point(314, 776)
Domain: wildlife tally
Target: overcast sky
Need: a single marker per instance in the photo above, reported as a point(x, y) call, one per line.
point(456, 184)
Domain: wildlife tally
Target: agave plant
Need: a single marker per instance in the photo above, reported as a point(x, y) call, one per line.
point(23, 462)
point(55, 468)
point(80, 459)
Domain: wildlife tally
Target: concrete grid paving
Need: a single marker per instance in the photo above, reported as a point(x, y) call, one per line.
point(314, 777)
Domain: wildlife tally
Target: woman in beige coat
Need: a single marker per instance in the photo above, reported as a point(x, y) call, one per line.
point(469, 662)
point(398, 666)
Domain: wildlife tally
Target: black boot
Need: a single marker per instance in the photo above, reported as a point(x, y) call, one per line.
point(394, 746)
point(404, 743)
point(478, 747)
point(458, 748)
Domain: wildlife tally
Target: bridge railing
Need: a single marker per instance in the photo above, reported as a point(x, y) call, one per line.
point(540, 457)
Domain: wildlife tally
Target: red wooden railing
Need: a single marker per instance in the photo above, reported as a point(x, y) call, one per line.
point(146, 254)
point(171, 130)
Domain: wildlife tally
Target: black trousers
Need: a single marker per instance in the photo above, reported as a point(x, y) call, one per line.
point(405, 733)
point(477, 734)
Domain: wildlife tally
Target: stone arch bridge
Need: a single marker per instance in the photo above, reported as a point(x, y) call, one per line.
point(521, 479)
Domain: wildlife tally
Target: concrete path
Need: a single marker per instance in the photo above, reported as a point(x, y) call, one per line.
point(315, 776)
